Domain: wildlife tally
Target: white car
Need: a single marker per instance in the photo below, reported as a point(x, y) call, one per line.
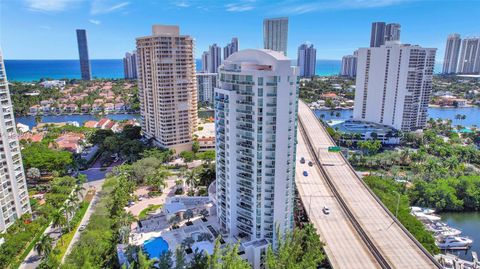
point(326, 210)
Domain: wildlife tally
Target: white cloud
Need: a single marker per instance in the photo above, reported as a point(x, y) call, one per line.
point(239, 7)
point(182, 4)
point(97, 22)
point(106, 6)
point(50, 5)
point(300, 7)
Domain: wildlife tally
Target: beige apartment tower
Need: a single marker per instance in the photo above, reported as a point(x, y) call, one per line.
point(167, 87)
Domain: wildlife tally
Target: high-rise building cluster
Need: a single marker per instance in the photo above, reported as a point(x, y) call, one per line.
point(167, 87)
point(255, 113)
point(275, 34)
point(130, 65)
point(230, 48)
point(85, 71)
point(349, 65)
point(393, 85)
point(383, 32)
point(462, 56)
point(306, 60)
point(212, 59)
point(14, 201)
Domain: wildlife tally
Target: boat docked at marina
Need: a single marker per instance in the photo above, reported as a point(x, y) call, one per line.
point(453, 242)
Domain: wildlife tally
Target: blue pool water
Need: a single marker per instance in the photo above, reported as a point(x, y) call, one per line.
point(155, 247)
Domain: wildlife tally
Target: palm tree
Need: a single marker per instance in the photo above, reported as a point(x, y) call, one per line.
point(58, 219)
point(77, 190)
point(44, 245)
point(191, 178)
point(158, 179)
point(188, 215)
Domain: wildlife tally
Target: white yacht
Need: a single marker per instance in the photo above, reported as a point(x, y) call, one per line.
point(442, 229)
point(454, 242)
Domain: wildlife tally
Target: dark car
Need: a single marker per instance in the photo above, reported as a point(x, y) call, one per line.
point(302, 160)
point(310, 163)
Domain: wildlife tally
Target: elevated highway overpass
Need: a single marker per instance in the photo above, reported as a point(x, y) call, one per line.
point(359, 232)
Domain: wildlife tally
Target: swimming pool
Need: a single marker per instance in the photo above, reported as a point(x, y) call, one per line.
point(155, 247)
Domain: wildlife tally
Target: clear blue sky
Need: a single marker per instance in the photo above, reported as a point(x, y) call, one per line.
point(45, 29)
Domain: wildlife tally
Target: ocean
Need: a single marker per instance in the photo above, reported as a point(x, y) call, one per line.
point(34, 70)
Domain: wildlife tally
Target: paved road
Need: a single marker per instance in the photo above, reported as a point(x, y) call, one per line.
point(344, 248)
point(95, 179)
point(393, 242)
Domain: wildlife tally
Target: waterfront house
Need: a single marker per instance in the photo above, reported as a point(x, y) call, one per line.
point(329, 95)
point(109, 107)
point(86, 108)
point(34, 109)
point(90, 124)
point(105, 123)
point(97, 107)
point(46, 108)
point(71, 108)
point(120, 107)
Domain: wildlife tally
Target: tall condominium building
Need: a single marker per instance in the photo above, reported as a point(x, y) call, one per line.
point(205, 56)
point(206, 83)
point(349, 65)
point(392, 32)
point(452, 51)
point(382, 32)
point(306, 60)
point(214, 58)
point(394, 84)
point(130, 65)
point(167, 87)
point(13, 188)
point(230, 48)
point(83, 53)
point(275, 34)
point(470, 56)
point(256, 114)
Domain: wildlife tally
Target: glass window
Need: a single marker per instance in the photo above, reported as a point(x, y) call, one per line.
point(260, 81)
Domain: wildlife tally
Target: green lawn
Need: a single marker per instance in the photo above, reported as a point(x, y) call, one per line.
point(151, 208)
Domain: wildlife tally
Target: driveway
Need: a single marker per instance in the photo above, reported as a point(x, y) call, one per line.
point(159, 200)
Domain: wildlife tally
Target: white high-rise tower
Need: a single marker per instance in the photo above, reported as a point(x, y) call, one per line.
point(452, 51)
point(14, 200)
point(275, 34)
point(256, 113)
point(394, 84)
point(349, 65)
point(470, 56)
